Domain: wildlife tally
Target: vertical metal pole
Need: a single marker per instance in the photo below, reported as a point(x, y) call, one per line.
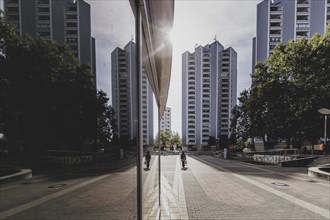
point(325, 131)
point(139, 147)
point(159, 149)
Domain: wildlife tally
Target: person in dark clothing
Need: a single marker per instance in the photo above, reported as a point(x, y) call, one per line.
point(148, 158)
point(183, 159)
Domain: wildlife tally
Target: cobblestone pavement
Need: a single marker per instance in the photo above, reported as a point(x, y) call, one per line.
point(211, 188)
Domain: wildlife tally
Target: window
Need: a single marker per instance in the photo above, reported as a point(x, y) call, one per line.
point(43, 9)
point(71, 32)
point(71, 17)
point(71, 8)
point(71, 24)
point(43, 18)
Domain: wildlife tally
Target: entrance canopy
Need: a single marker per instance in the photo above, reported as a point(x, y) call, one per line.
point(157, 22)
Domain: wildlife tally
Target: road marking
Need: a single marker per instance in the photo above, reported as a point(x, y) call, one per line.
point(34, 203)
point(311, 207)
point(318, 210)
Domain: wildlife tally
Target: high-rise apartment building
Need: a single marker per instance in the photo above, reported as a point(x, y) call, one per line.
point(124, 93)
point(209, 92)
point(165, 122)
point(64, 21)
point(282, 20)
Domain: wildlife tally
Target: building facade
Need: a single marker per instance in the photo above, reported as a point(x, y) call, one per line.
point(63, 21)
point(282, 20)
point(165, 123)
point(124, 93)
point(209, 92)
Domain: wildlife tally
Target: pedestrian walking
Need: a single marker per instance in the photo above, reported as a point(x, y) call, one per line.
point(183, 159)
point(147, 159)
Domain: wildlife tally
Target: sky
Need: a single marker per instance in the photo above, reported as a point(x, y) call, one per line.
point(231, 22)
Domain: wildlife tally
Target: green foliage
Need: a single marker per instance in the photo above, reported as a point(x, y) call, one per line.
point(286, 92)
point(176, 140)
point(212, 141)
point(47, 98)
point(105, 121)
point(168, 138)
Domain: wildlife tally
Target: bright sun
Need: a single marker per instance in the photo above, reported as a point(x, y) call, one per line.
point(173, 36)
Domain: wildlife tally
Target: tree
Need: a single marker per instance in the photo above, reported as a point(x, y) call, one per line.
point(286, 92)
point(168, 138)
point(165, 138)
point(176, 140)
point(47, 98)
point(212, 141)
point(105, 119)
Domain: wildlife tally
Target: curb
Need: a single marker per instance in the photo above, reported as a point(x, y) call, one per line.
point(316, 172)
point(22, 175)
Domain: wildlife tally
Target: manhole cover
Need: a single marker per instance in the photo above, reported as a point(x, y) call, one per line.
point(57, 186)
point(311, 181)
point(279, 184)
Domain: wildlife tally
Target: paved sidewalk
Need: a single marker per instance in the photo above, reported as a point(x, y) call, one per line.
point(211, 188)
point(204, 192)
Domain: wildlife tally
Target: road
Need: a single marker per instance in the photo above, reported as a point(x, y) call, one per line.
point(210, 188)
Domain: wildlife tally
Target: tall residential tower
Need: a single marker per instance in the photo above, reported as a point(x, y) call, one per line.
point(282, 20)
point(63, 21)
point(209, 84)
point(124, 92)
point(165, 122)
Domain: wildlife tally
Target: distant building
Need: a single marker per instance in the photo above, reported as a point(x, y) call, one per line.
point(60, 20)
point(209, 92)
point(282, 20)
point(124, 92)
point(165, 123)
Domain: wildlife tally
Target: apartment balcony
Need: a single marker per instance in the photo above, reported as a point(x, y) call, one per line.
point(275, 27)
point(303, 5)
point(275, 18)
point(12, 4)
point(302, 18)
point(279, 12)
point(275, 33)
point(12, 16)
point(274, 43)
point(303, 13)
point(302, 29)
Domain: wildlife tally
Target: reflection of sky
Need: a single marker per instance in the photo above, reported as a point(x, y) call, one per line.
point(233, 23)
point(196, 22)
point(112, 26)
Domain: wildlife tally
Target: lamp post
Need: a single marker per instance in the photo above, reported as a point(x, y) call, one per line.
point(325, 112)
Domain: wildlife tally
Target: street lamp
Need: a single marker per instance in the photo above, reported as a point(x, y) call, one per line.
point(325, 112)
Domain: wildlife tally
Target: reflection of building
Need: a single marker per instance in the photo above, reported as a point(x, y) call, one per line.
point(281, 20)
point(165, 123)
point(60, 20)
point(209, 83)
point(124, 92)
